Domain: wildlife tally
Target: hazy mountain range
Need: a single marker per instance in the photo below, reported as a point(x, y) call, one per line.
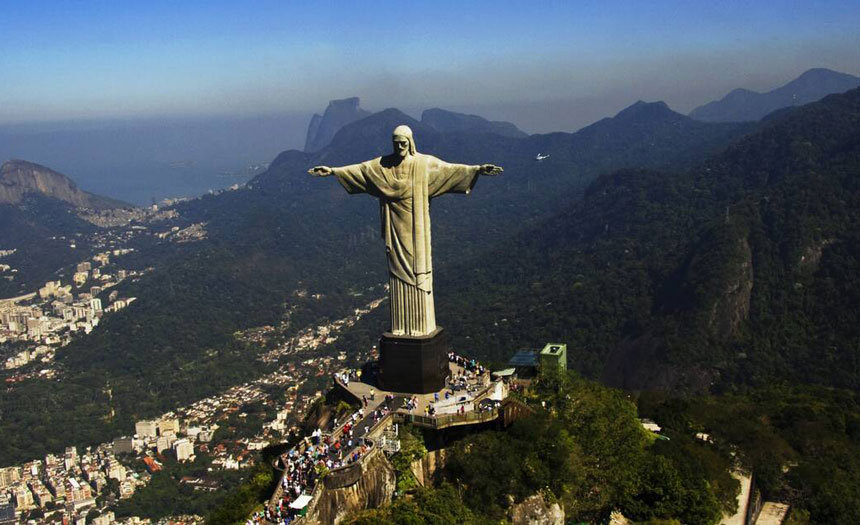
point(141, 160)
point(744, 105)
point(339, 113)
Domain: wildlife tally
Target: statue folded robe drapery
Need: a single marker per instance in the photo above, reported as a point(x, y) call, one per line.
point(404, 193)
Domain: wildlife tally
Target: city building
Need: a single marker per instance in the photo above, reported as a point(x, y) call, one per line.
point(126, 489)
point(80, 278)
point(115, 470)
point(146, 428)
point(50, 289)
point(164, 443)
point(123, 445)
point(23, 498)
point(41, 495)
point(7, 511)
point(166, 425)
point(70, 459)
point(78, 492)
point(9, 476)
point(184, 449)
point(553, 357)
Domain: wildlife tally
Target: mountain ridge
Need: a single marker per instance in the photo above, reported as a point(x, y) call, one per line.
point(20, 177)
point(453, 122)
point(746, 105)
point(714, 277)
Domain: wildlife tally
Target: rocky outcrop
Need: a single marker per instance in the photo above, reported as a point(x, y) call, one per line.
point(425, 468)
point(19, 178)
point(811, 257)
point(367, 484)
point(338, 114)
point(732, 307)
point(534, 510)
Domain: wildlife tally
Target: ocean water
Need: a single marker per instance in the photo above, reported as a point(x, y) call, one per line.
point(149, 159)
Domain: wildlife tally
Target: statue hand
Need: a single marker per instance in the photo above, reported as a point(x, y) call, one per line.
point(320, 171)
point(490, 169)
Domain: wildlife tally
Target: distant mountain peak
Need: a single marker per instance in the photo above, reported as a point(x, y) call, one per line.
point(641, 110)
point(745, 105)
point(18, 178)
point(338, 114)
point(818, 72)
point(823, 79)
point(379, 124)
point(449, 121)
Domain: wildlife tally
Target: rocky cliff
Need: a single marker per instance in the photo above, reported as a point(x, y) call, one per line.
point(374, 487)
point(425, 468)
point(338, 114)
point(18, 178)
point(534, 510)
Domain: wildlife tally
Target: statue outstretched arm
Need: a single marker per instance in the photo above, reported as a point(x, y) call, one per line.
point(445, 177)
point(354, 178)
point(490, 169)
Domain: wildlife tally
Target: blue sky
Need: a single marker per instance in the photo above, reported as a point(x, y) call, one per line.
point(543, 65)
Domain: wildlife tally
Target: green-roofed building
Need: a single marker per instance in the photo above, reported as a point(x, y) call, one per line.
point(553, 356)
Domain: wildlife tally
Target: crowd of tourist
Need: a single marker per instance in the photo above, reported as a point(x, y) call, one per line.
point(323, 452)
point(347, 376)
point(470, 365)
point(262, 517)
point(347, 443)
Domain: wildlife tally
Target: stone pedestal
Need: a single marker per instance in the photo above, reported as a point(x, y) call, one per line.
point(413, 364)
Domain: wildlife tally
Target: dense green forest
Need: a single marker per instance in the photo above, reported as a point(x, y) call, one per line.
point(587, 451)
point(801, 442)
point(738, 271)
point(583, 448)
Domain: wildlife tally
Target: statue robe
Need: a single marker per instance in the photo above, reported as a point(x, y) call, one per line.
point(404, 205)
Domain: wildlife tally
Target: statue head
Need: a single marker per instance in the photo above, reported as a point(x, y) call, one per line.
point(404, 143)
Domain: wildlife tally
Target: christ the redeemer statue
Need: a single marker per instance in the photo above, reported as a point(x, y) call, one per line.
point(404, 182)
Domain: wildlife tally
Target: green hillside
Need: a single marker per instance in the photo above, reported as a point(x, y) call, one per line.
point(288, 231)
point(741, 270)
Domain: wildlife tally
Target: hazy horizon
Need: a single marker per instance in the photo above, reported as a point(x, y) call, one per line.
point(116, 95)
point(520, 62)
point(146, 158)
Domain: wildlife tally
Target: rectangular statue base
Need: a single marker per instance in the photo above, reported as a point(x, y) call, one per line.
point(413, 364)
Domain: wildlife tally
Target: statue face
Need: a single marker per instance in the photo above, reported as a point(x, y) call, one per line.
point(401, 145)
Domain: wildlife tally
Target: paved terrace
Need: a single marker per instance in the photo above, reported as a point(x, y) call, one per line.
point(469, 397)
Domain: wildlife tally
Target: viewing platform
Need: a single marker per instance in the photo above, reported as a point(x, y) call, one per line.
point(469, 397)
